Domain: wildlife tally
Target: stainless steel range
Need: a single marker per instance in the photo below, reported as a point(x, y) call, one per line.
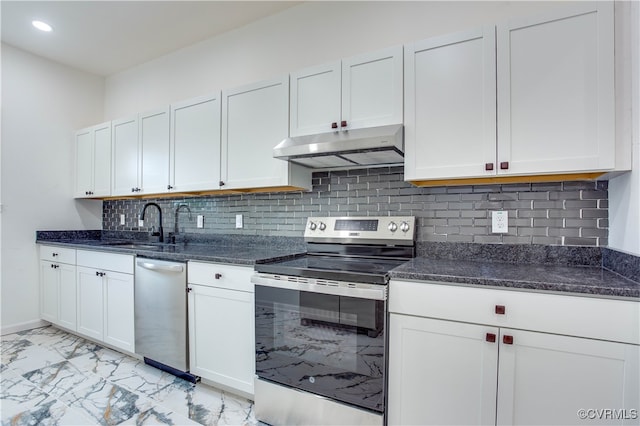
point(321, 321)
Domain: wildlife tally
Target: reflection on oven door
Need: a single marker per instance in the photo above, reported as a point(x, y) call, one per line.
point(319, 307)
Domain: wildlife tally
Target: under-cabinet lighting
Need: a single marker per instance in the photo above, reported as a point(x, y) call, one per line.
point(42, 26)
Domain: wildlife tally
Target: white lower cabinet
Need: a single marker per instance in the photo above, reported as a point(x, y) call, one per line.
point(58, 286)
point(445, 371)
point(221, 325)
point(105, 298)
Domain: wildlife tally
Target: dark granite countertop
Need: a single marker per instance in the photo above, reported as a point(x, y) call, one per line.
point(583, 280)
point(222, 251)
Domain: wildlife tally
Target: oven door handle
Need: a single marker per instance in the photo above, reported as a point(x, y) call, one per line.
point(361, 291)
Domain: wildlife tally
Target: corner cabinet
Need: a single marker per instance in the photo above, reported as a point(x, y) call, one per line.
point(58, 286)
point(93, 161)
point(552, 79)
point(195, 144)
point(255, 119)
point(221, 325)
point(362, 91)
point(461, 355)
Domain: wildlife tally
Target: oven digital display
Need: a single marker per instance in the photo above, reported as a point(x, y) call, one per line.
point(356, 225)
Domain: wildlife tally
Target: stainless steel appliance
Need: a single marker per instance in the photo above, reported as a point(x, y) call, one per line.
point(321, 321)
point(161, 315)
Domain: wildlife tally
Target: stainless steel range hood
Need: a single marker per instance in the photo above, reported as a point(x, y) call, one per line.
point(359, 147)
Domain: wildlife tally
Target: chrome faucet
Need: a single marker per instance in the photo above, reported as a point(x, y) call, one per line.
point(160, 218)
point(175, 229)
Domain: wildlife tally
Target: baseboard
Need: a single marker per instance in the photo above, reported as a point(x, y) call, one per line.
point(23, 326)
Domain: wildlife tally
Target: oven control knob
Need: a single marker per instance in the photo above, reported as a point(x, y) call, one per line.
point(404, 226)
point(393, 227)
point(312, 226)
point(322, 226)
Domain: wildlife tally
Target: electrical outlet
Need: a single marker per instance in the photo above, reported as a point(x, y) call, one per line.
point(200, 221)
point(500, 222)
point(122, 219)
point(238, 221)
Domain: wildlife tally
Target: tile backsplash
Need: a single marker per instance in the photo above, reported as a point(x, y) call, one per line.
point(555, 213)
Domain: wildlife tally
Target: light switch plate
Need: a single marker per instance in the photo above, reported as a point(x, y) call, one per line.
point(500, 222)
point(200, 221)
point(238, 221)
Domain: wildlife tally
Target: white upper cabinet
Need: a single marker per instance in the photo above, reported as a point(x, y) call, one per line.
point(361, 91)
point(556, 91)
point(125, 153)
point(255, 119)
point(450, 99)
point(154, 151)
point(195, 144)
point(545, 83)
point(93, 161)
point(141, 153)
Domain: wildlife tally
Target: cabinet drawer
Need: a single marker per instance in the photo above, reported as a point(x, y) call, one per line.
point(219, 275)
point(107, 261)
point(606, 319)
point(58, 254)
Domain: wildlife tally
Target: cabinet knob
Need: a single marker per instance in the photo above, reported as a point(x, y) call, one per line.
point(507, 340)
point(343, 123)
point(54, 254)
point(500, 309)
point(490, 337)
point(189, 289)
point(221, 183)
point(169, 187)
point(218, 276)
point(488, 166)
point(334, 125)
point(504, 165)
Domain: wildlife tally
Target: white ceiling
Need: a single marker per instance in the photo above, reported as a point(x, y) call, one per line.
point(105, 37)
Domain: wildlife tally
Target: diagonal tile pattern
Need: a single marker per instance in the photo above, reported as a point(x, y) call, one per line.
point(50, 377)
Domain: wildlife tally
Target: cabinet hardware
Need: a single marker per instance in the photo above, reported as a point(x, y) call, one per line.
point(54, 254)
point(490, 337)
point(504, 165)
point(169, 187)
point(334, 125)
point(100, 274)
point(343, 123)
point(488, 166)
point(221, 183)
point(507, 340)
point(55, 266)
point(189, 289)
point(218, 276)
point(500, 309)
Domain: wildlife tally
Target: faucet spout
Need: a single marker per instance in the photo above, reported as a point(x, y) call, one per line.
point(181, 206)
point(144, 209)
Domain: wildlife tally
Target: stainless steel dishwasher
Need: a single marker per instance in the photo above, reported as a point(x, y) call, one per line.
point(161, 315)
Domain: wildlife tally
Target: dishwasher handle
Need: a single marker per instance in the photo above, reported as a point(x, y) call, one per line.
point(160, 267)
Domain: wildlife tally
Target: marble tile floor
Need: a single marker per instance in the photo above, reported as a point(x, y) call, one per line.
point(50, 377)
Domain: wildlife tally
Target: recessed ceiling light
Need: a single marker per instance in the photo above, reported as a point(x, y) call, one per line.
point(42, 26)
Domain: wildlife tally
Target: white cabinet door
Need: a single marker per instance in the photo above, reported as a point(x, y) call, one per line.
point(372, 89)
point(84, 163)
point(118, 310)
point(450, 106)
point(221, 336)
point(254, 120)
point(67, 294)
point(315, 99)
point(102, 160)
point(49, 291)
point(556, 91)
point(154, 151)
point(546, 378)
point(90, 303)
point(441, 372)
point(195, 144)
point(126, 157)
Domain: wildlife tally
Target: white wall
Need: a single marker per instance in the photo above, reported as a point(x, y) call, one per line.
point(305, 35)
point(624, 191)
point(42, 104)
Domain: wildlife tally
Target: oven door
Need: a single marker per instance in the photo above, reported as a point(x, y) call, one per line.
point(328, 340)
